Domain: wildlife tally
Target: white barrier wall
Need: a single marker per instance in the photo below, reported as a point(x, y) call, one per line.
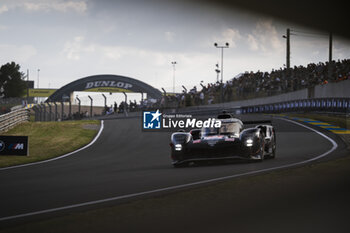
point(340, 89)
point(296, 95)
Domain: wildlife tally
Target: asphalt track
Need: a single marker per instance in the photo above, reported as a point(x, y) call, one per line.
point(127, 163)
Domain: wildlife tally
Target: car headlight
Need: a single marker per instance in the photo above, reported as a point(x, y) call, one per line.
point(249, 142)
point(178, 147)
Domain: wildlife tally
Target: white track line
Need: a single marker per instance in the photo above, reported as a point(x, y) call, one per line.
point(335, 145)
point(59, 157)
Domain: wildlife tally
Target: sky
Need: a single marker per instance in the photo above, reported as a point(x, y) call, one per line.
point(68, 40)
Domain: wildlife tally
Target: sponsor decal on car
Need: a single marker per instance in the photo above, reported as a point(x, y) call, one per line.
point(230, 139)
point(214, 137)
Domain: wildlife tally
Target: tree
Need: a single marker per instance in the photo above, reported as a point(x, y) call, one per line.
point(12, 83)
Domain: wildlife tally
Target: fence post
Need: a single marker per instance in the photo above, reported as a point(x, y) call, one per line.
point(105, 104)
point(126, 104)
point(90, 105)
point(70, 110)
point(36, 110)
point(40, 112)
point(55, 110)
point(62, 110)
point(50, 112)
point(79, 106)
point(44, 111)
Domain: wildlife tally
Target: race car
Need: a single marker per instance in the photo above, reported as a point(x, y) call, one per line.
point(228, 142)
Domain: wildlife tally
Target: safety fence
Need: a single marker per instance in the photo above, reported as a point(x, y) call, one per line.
point(51, 112)
point(333, 105)
point(13, 118)
point(61, 111)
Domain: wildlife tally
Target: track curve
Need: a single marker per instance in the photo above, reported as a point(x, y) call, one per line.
point(124, 162)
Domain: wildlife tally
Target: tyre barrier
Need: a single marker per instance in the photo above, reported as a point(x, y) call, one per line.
point(13, 118)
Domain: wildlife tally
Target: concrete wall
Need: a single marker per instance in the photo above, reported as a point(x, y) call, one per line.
point(340, 89)
point(301, 94)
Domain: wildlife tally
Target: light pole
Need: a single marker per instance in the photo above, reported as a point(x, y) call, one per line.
point(330, 57)
point(38, 98)
point(38, 78)
point(287, 36)
point(222, 47)
point(217, 72)
point(173, 63)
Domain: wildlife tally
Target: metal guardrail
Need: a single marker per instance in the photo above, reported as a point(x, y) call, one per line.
point(334, 105)
point(13, 118)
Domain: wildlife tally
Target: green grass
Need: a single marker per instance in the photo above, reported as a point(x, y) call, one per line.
point(341, 121)
point(50, 139)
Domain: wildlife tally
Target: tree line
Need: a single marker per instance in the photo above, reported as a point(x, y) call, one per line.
point(12, 83)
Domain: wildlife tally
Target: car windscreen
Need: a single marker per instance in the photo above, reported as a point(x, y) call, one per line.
point(230, 128)
point(209, 131)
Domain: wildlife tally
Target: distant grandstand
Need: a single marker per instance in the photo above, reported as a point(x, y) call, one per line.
point(258, 84)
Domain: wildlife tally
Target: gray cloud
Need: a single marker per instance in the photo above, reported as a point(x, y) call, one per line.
point(69, 39)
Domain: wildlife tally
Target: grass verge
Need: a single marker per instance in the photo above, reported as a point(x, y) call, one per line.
point(51, 139)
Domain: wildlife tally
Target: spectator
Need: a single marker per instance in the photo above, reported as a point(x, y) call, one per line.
point(201, 97)
point(115, 107)
point(261, 84)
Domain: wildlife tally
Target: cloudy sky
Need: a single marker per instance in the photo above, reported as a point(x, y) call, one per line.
point(68, 40)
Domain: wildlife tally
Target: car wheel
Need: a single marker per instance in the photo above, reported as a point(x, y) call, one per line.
point(262, 156)
point(273, 154)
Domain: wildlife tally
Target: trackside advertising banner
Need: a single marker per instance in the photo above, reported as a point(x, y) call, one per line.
point(155, 121)
point(14, 145)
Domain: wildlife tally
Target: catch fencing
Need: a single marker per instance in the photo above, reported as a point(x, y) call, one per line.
point(61, 111)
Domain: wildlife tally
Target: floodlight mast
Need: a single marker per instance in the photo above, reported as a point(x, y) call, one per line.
point(174, 63)
point(222, 47)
